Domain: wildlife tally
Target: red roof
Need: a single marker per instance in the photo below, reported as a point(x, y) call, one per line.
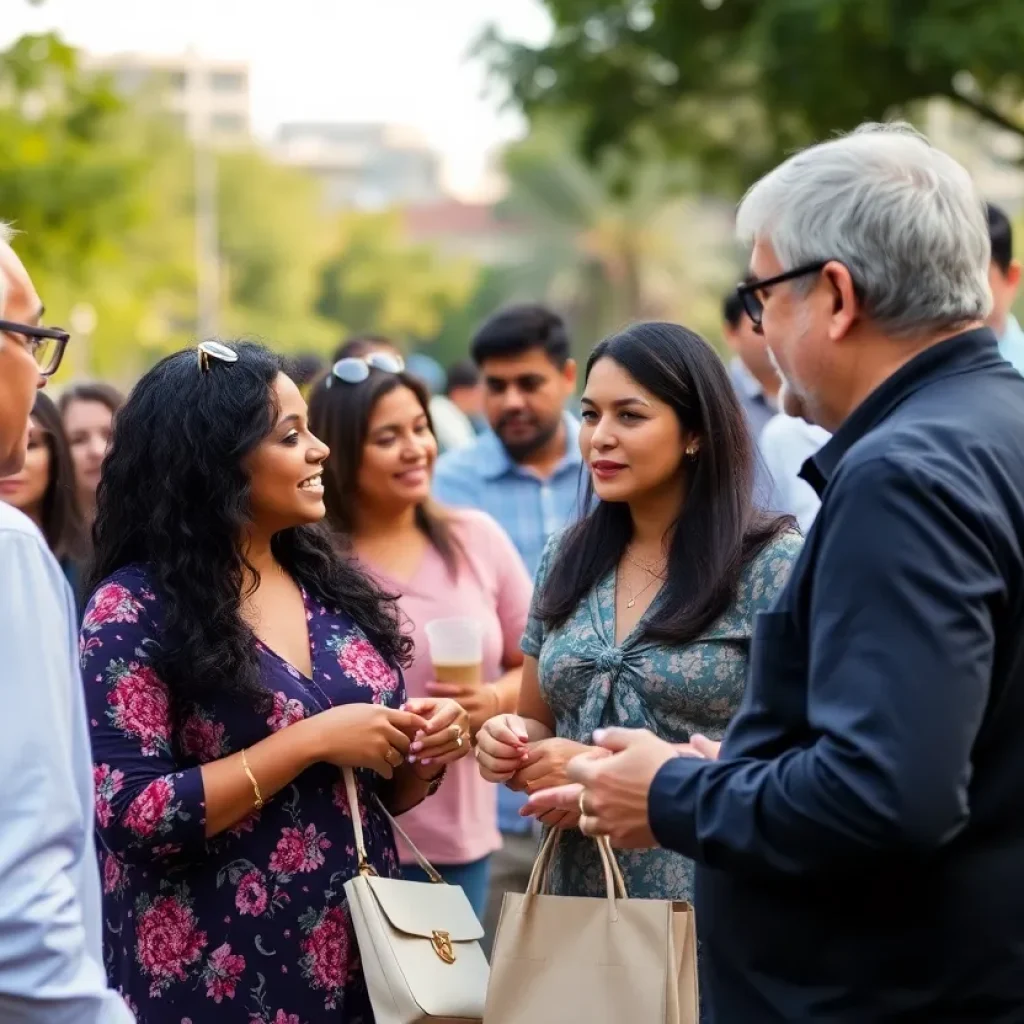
point(451, 217)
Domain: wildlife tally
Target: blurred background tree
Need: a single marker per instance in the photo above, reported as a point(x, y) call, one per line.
point(737, 83)
point(273, 240)
point(380, 282)
point(83, 177)
point(618, 239)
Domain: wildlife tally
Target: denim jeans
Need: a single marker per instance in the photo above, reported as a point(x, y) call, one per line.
point(473, 877)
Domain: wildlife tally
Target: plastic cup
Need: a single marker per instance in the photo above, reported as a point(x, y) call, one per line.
point(456, 649)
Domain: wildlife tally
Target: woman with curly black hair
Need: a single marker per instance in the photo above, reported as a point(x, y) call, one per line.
point(232, 664)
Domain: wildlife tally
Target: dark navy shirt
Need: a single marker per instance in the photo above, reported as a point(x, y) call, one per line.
point(861, 840)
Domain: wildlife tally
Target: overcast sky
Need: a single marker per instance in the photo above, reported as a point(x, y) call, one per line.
point(401, 61)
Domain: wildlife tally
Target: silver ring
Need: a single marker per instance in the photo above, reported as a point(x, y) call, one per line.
point(458, 742)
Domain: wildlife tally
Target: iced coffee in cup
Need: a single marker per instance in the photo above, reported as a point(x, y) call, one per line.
point(456, 650)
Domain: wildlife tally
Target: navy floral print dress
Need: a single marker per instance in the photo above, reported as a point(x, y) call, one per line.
point(250, 927)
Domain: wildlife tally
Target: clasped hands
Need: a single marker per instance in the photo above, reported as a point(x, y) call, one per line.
point(609, 780)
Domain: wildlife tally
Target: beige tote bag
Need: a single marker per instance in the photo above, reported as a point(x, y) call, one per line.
point(419, 942)
point(584, 960)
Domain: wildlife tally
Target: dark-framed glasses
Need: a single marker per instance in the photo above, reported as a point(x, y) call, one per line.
point(749, 291)
point(356, 369)
point(207, 350)
point(45, 344)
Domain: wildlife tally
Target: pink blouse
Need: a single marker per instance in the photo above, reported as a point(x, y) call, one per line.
point(458, 824)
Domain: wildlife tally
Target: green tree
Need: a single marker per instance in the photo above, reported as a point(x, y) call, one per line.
point(79, 177)
point(379, 281)
point(739, 82)
point(615, 241)
point(272, 243)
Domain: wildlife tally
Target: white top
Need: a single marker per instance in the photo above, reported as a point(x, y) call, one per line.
point(786, 443)
point(50, 925)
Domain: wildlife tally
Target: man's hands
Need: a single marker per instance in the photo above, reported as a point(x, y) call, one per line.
point(614, 787)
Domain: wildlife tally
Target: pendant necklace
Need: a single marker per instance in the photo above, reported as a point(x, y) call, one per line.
point(655, 577)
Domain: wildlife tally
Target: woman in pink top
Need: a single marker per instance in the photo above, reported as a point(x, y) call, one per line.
point(443, 563)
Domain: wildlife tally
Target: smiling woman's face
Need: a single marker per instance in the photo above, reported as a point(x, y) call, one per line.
point(284, 471)
point(631, 440)
point(399, 454)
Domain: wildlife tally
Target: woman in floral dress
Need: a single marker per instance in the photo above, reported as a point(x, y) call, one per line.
point(644, 610)
point(232, 666)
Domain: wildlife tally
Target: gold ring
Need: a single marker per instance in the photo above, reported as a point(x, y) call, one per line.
point(579, 803)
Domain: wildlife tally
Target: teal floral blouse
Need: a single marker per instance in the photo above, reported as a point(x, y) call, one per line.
point(588, 682)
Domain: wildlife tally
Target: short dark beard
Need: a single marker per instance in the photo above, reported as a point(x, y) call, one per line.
point(520, 452)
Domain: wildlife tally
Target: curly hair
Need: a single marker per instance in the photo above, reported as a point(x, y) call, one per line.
point(174, 498)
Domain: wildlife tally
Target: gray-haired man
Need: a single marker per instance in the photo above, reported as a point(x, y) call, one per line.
point(51, 968)
point(860, 836)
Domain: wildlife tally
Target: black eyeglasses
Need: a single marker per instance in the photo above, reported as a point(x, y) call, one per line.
point(45, 344)
point(356, 369)
point(747, 291)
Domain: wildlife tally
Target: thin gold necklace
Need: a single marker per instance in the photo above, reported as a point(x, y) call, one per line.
point(631, 597)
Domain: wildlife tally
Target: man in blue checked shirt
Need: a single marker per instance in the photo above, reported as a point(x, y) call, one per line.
point(526, 472)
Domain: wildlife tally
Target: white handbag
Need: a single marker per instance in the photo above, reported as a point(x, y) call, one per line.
point(419, 942)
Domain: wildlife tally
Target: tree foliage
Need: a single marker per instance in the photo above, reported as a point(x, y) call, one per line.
point(739, 82)
point(380, 281)
point(615, 241)
point(101, 187)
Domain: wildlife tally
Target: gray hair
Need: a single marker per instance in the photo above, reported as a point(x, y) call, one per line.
point(899, 214)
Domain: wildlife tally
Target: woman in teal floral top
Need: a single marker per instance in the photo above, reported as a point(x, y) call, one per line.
point(643, 611)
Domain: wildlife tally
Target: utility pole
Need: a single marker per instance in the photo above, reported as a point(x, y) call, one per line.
point(207, 254)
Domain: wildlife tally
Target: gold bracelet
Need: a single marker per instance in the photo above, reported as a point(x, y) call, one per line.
point(252, 779)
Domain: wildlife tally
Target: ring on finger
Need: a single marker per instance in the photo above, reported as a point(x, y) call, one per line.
point(458, 742)
point(580, 803)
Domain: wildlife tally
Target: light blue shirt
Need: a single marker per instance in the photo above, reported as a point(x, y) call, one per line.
point(1011, 344)
point(529, 507)
point(759, 410)
point(786, 443)
point(50, 925)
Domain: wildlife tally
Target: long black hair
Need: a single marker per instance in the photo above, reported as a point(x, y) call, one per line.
point(175, 497)
point(339, 414)
point(718, 529)
point(61, 519)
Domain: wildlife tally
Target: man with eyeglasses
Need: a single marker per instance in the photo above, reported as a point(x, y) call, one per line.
point(859, 833)
point(51, 969)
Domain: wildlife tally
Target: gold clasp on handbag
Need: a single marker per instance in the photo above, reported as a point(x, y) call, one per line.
point(442, 943)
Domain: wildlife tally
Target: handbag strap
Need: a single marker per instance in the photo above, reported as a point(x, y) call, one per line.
point(365, 867)
point(615, 884)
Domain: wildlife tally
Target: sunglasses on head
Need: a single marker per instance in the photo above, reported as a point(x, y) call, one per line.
point(207, 350)
point(356, 369)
